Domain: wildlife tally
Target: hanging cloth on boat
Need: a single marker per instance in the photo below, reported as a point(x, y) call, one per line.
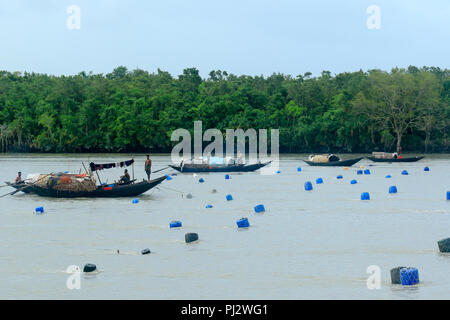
point(101, 166)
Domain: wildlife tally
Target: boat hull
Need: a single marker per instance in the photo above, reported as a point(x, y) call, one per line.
point(342, 163)
point(413, 159)
point(19, 186)
point(130, 190)
point(230, 168)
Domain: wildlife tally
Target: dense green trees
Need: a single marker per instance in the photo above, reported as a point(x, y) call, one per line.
point(137, 111)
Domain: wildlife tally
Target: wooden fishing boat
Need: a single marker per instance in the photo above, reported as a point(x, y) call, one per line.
point(341, 163)
point(105, 191)
point(190, 167)
point(410, 159)
point(66, 185)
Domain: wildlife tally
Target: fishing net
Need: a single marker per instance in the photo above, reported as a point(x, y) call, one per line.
point(67, 182)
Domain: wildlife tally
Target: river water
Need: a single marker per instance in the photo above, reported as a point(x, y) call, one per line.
point(307, 245)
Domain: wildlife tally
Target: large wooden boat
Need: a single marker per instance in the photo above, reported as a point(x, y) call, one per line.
point(340, 163)
point(410, 159)
point(106, 191)
point(191, 167)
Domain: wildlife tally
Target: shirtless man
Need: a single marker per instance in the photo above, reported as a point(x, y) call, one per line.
point(18, 178)
point(148, 166)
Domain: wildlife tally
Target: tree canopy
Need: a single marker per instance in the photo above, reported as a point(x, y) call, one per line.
point(137, 110)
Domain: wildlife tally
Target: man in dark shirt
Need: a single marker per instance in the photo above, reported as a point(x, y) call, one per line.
point(125, 178)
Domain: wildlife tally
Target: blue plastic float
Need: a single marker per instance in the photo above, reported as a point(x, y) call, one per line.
point(41, 209)
point(175, 224)
point(409, 276)
point(319, 180)
point(365, 196)
point(404, 172)
point(426, 169)
point(227, 176)
point(209, 206)
point(243, 223)
point(135, 200)
point(201, 180)
point(260, 208)
point(308, 186)
point(392, 189)
point(339, 177)
point(359, 172)
point(299, 169)
point(367, 171)
point(388, 176)
point(229, 197)
point(353, 182)
point(168, 177)
point(448, 195)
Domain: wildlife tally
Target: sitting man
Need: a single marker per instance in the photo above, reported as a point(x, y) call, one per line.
point(19, 178)
point(125, 178)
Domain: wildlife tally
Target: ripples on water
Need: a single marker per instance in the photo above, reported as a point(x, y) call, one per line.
point(306, 245)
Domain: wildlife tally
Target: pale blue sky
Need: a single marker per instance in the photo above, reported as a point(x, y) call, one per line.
point(243, 37)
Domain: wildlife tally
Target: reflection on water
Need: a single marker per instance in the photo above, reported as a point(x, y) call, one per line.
point(306, 245)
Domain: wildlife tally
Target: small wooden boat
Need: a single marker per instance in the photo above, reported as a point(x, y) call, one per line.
point(410, 159)
point(190, 167)
point(341, 163)
point(106, 191)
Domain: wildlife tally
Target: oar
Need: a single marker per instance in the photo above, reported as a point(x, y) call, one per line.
point(26, 186)
point(161, 169)
point(8, 185)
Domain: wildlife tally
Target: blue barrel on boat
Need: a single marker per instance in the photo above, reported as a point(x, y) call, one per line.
point(426, 169)
point(388, 176)
point(409, 276)
point(135, 200)
point(448, 195)
point(175, 224)
point(229, 197)
point(243, 223)
point(308, 186)
point(190, 237)
point(278, 171)
point(201, 180)
point(367, 171)
point(359, 172)
point(39, 210)
point(227, 176)
point(339, 177)
point(353, 182)
point(319, 180)
point(209, 206)
point(365, 196)
point(299, 169)
point(404, 172)
point(168, 177)
point(260, 208)
point(392, 189)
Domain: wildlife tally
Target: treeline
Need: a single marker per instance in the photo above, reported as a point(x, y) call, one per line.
point(137, 111)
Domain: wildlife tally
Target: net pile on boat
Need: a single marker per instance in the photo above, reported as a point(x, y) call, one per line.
point(67, 182)
point(323, 158)
point(384, 155)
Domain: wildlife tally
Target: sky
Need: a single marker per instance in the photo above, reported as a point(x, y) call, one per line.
point(252, 37)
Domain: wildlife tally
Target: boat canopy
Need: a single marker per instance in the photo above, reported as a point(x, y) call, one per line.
point(97, 166)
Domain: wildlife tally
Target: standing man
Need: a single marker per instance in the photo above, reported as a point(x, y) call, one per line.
point(148, 166)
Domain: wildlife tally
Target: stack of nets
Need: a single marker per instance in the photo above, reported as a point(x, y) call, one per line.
point(323, 158)
point(383, 155)
point(67, 182)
